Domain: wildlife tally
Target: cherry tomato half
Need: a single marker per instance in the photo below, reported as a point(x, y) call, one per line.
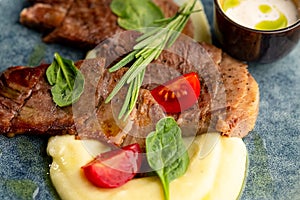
point(114, 168)
point(178, 94)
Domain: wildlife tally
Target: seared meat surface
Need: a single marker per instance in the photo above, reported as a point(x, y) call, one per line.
point(229, 96)
point(45, 17)
point(228, 103)
point(30, 106)
point(81, 23)
point(26, 105)
point(16, 86)
point(242, 95)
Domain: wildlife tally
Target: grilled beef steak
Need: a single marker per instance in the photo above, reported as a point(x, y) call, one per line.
point(82, 23)
point(45, 15)
point(228, 102)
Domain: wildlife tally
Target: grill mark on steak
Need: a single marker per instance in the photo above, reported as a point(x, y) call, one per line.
point(82, 23)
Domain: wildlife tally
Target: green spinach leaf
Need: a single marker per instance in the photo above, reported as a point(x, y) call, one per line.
point(66, 80)
point(166, 152)
point(136, 14)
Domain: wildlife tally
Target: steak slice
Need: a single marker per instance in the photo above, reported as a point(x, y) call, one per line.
point(45, 15)
point(38, 113)
point(31, 103)
point(242, 95)
point(82, 23)
point(86, 24)
point(241, 120)
point(16, 85)
point(234, 73)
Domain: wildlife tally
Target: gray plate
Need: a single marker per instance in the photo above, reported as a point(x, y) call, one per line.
point(274, 145)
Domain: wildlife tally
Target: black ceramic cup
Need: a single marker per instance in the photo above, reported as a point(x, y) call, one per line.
point(252, 45)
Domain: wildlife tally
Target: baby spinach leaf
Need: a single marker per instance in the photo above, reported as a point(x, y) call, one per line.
point(66, 80)
point(136, 14)
point(166, 152)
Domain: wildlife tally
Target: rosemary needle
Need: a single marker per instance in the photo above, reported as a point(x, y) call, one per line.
point(148, 48)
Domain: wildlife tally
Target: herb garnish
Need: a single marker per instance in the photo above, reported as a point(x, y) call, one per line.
point(166, 152)
point(66, 80)
point(136, 14)
point(149, 47)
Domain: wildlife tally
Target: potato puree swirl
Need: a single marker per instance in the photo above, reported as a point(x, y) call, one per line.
point(261, 14)
point(219, 175)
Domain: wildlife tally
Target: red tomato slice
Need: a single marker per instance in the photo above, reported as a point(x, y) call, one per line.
point(114, 168)
point(178, 94)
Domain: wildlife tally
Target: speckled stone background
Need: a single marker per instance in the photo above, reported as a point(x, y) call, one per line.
point(274, 145)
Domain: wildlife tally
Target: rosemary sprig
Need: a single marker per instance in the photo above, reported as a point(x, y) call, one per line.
point(148, 48)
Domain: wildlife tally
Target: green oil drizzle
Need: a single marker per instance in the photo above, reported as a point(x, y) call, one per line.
point(280, 22)
point(265, 8)
point(230, 4)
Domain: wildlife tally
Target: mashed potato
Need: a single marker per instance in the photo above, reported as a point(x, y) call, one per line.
point(218, 175)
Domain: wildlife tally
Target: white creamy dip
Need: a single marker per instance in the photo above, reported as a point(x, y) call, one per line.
point(261, 14)
point(219, 175)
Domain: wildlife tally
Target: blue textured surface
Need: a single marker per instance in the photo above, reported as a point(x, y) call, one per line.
point(274, 145)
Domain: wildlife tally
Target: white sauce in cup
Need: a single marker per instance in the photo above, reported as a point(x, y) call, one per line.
point(261, 14)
